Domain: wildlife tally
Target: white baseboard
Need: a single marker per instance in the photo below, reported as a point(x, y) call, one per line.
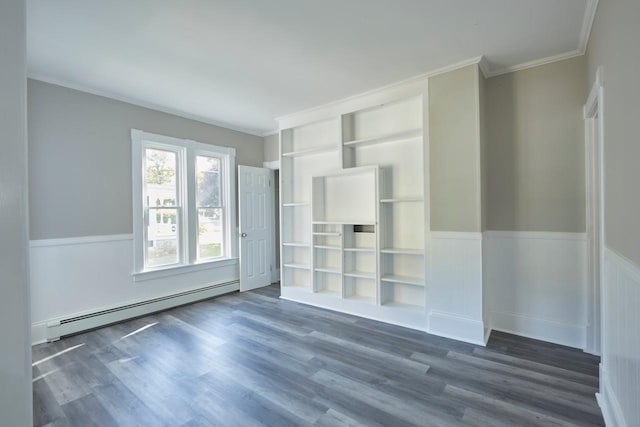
point(413, 319)
point(73, 277)
point(609, 405)
point(457, 327)
point(53, 329)
point(541, 329)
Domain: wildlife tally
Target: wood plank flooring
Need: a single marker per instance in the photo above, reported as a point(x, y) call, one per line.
point(252, 359)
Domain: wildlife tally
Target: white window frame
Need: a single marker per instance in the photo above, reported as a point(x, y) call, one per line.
point(187, 150)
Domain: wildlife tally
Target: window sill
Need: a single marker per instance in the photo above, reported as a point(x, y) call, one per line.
point(182, 269)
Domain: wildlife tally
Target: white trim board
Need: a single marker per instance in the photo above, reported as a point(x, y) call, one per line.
point(80, 276)
point(545, 235)
point(593, 112)
point(536, 285)
point(587, 24)
point(484, 65)
point(344, 105)
point(585, 34)
point(541, 329)
point(455, 286)
point(273, 165)
point(62, 241)
point(620, 368)
point(140, 103)
point(456, 327)
point(53, 329)
point(609, 405)
point(456, 235)
point(534, 63)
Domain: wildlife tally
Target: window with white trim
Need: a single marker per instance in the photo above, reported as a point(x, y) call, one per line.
point(183, 202)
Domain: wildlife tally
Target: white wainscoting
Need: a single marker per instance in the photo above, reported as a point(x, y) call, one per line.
point(536, 285)
point(454, 290)
point(619, 395)
point(79, 276)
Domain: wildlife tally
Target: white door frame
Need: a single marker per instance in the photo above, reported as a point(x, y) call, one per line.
point(275, 269)
point(594, 171)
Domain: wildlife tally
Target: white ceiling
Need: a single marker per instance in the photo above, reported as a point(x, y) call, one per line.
point(241, 63)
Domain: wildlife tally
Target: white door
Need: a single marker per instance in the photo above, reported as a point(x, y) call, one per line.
point(254, 196)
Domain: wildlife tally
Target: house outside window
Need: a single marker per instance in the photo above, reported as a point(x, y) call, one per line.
point(183, 203)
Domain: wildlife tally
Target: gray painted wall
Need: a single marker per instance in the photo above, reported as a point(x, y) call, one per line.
point(80, 158)
point(15, 319)
point(614, 45)
point(271, 148)
point(535, 148)
point(455, 151)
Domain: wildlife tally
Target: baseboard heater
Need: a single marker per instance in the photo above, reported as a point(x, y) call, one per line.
point(73, 325)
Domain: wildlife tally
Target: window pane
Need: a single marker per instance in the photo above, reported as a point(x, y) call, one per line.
point(162, 237)
point(208, 183)
point(160, 178)
point(210, 233)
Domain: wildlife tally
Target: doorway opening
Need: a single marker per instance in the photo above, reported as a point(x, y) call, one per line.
point(594, 171)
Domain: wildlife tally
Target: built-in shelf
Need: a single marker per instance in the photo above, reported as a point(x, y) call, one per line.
point(390, 137)
point(405, 280)
point(327, 247)
point(327, 233)
point(365, 250)
point(310, 151)
point(298, 266)
point(402, 200)
point(297, 244)
point(352, 187)
point(402, 251)
point(360, 274)
point(295, 204)
point(328, 270)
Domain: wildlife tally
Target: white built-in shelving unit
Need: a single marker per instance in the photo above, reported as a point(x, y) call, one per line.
point(353, 211)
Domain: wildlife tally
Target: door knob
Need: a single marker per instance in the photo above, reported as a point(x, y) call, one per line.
point(243, 235)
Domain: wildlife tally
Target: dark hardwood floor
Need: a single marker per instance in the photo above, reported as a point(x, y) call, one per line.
point(252, 359)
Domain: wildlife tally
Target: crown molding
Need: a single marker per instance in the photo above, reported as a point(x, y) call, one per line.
point(585, 33)
point(485, 67)
point(533, 64)
point(483, 64)
point(587, 24)
point(140, 103)
point(408, 81)
point(271, 132)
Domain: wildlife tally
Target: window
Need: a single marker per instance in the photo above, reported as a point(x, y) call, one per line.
point(184, 212)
